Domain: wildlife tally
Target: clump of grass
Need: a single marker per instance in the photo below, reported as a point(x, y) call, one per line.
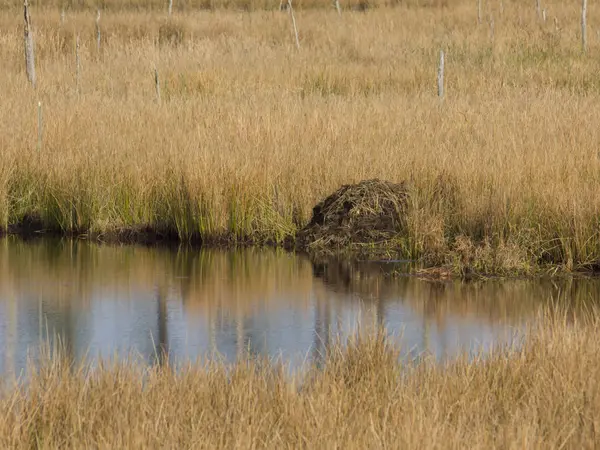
point(171, 33)
point(543, 393)
point(358, 216)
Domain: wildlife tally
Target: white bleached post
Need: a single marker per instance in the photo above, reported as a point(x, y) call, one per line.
point(338, 7)
point(584, 25)
point(294, 24)
point(62, 17)
point(440, 78)
point(538, 8)
point(98, 31)
point(170, 7)
point(479, 12)
point(29, 49)
point(544, 15)
point(77, 64)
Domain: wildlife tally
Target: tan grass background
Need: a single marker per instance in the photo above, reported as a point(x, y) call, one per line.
point(250, 133)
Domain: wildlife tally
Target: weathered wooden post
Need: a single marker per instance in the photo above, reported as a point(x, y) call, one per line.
point(29, 49)
point(98, 35)
point(338, 7)
point(77, 65)
point(294, 24)
point(440, 78)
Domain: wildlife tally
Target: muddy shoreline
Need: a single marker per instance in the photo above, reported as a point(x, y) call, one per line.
point(149, 237)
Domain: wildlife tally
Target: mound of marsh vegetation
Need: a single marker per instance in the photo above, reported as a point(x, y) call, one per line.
point(367, 217)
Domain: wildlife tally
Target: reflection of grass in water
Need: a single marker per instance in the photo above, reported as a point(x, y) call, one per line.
point(544, 394)
point(242, 280)
point(503, 300)
point(73, 271)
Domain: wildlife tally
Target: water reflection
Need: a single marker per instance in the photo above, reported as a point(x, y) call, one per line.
point(179, 304)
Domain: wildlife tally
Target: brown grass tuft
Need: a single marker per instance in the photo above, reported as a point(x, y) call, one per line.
point(372, 213)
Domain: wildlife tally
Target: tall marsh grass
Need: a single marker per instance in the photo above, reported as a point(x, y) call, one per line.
point(543, 395)
point(250, 134)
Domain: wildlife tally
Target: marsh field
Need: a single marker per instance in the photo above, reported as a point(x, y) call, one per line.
point(249, 132)
point(213, 125)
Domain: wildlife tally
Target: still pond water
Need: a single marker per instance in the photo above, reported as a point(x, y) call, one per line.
point(135, 300)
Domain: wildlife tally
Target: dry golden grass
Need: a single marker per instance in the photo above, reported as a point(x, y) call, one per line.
point(186, 6)
point(544, 395)
point(251, 133)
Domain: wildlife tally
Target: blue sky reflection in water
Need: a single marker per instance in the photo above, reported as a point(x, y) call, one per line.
point(124, 299)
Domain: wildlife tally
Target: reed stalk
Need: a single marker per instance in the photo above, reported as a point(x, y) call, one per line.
point(157, 85)
point(77, 65)
point(440, 77)
point(40, 127)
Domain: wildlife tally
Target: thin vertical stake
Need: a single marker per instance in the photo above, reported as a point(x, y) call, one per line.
point(170, 7)
point(338, 7)
point(584, 25)
point(40, 124)
point(98, 31)
point(538, 8)
point(294, 24)
point(77, 64)
point(441, 76)
point(29, 48)
point(157, 84)
point(479, 12)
